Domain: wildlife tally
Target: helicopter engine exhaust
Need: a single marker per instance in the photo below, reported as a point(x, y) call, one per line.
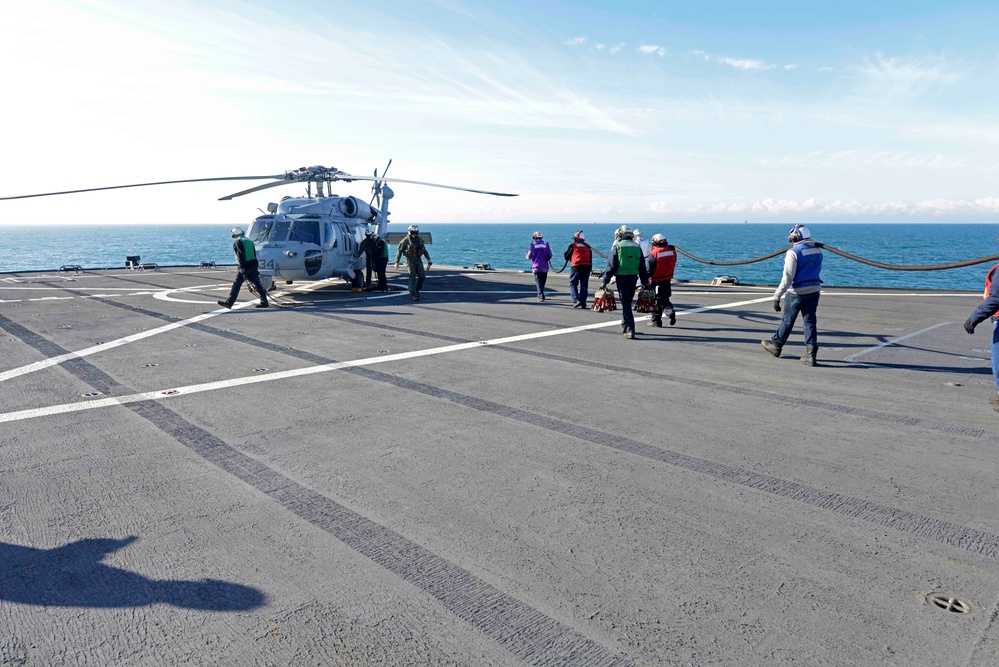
point(352, 207)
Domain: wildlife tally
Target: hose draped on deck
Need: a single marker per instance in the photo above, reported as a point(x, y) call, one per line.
point(843, 253)
point(837, 251)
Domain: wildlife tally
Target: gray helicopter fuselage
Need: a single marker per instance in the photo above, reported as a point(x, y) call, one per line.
point(313, 238)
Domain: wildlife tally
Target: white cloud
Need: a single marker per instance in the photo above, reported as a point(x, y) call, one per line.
point(600, 47)
point(653, 48)
point(658, 207)
point(745, 64)
point(811, 208)
point(575, 41)
point(618, 47)
point(790, 66)
point(892, 77)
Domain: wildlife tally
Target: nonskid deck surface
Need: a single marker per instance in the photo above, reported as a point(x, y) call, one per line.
point(478, 478)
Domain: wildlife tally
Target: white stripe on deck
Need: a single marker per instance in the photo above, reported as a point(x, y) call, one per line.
point(21, 415)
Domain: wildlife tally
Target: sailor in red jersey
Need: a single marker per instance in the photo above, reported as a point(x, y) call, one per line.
point(989, 308)
point(580, 256)
point(661, 262)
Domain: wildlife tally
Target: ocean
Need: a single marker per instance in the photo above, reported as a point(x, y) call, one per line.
point(503, 246)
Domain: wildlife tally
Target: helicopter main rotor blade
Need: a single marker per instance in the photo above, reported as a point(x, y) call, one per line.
point(254, 189)
point(347, 177)
point(142, 185)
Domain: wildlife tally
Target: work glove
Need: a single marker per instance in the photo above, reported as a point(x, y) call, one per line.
point(429, 263)
point(777, 305)
point(969, 326)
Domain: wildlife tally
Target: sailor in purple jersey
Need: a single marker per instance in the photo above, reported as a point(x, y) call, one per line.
point(539, 253)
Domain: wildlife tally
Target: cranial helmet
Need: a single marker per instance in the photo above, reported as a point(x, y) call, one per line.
point(579, 236)
point(624, 232)
point(637, 233)
point(798, 233)
point(538, 235)
point(413, 229)
point(237, 232)
point(658, 239)
point(368, 233)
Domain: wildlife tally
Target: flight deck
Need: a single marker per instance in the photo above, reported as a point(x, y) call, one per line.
point(478, 478)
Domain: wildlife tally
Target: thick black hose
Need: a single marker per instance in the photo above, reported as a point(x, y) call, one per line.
point(895, 267)
point(744, 261)
point(880, 265)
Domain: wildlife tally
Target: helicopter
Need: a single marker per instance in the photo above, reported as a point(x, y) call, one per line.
point(308, 238)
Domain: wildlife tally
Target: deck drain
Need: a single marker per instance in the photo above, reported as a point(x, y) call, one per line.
point(149, 365)
point(949, 603)
point(170, 392)
point(382, 351)
point(260, 370)
point(191, 345)
point(91, 394)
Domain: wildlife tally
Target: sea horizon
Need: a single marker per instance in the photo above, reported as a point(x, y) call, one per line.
point(503, 246)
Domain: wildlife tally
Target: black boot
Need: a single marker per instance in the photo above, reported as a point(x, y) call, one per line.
point(224, 304)
point(772, 346)
point(808, 358)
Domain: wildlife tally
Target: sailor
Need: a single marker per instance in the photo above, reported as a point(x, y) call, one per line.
point(802, 265)
point(646, 247)
point(661, 263)
point(580, 255)
point(989, 308)
point(414, 249)
point(539, 253)
point(376, 251)
point(246, 256)
point(364, 247)
point(625, 263)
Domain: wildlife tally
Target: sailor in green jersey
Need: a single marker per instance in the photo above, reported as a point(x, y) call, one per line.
point(247, 258)
point(625, 262)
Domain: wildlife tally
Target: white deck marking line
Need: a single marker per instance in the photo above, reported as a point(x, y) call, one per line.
point(110, 345)
point(894, 341)
point(82, 288)
point(33, 413)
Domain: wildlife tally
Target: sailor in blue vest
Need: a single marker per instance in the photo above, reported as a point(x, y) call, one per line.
point(802, 265)
point(247, 257)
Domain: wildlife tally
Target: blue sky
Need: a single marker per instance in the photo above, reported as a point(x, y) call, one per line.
point(592, 111)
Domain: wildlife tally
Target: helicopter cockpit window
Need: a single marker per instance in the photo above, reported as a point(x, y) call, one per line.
point(269, 230)
point(260, 229)
point(306, 231)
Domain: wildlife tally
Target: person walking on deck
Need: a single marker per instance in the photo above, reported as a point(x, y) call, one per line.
point(802, 266)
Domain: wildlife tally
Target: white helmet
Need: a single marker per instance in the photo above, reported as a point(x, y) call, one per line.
point(413, 228)
point(537, 235)
point(237, 232)
point(637, 233)
point(624, 232)
point(658, 239)
point(798, 233)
